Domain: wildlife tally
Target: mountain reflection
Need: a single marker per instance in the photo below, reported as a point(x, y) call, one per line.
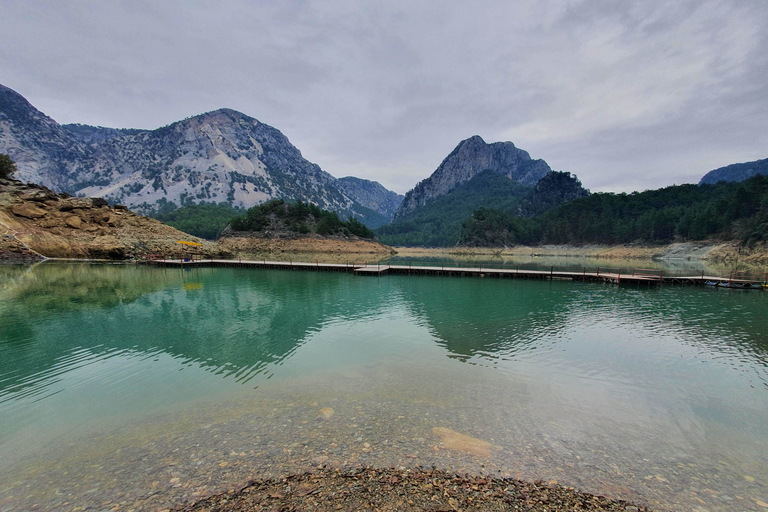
point(486, 316)
point(238, 323)
point(231, 322)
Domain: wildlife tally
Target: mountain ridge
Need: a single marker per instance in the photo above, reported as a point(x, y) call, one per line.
point(736, 172)
point(218, 156)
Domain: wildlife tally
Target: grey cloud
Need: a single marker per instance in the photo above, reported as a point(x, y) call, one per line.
point(384, 91)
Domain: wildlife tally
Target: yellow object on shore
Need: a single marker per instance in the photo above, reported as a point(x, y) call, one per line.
point(188, 243)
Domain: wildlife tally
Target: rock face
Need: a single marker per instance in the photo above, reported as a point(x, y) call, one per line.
point(736, 172)
point(36, 222)
point(220, 156)
point(471, 157)
point(88, 134)
point(43, 151)
point(554, 189)
point(371, 194)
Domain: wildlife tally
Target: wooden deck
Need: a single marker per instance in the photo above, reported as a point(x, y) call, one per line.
point(638, 277)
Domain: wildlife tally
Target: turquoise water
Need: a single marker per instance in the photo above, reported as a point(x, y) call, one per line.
point(153, 387)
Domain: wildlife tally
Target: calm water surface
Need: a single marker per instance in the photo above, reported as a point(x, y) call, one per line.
point(144, 388)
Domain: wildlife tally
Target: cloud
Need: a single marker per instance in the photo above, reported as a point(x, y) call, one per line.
point(385, 90)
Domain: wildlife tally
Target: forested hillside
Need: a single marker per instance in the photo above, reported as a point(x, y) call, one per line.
point(734, 211)
point(438, 223)
point(206, 220)
point(278, 217)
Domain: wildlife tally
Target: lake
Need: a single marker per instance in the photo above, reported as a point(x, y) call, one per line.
point(147, 387)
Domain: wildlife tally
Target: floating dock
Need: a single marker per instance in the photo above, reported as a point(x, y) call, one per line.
point(619, 276)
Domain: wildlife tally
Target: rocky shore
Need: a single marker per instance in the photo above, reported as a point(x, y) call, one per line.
point(404, 489)
point(37, 223)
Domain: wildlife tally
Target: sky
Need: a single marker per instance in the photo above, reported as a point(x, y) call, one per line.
point(627, 95)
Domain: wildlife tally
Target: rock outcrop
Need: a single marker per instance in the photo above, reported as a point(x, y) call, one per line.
point(36, 222)
point(471, 157)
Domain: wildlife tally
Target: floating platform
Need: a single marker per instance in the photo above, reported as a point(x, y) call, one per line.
point(618, 276)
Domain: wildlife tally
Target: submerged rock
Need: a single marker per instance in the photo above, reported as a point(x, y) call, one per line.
point(463, 443)
point(325, 413)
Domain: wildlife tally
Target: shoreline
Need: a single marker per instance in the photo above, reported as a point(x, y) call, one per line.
point(715, 252)
point(404, 489)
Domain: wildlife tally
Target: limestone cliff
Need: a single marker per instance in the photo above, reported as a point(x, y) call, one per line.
point(471, 157)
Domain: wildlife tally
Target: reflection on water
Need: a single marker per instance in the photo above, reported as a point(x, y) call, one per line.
point(157, 386)
point(575, 262)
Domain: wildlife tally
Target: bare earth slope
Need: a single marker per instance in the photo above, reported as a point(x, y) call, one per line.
point(314, 244)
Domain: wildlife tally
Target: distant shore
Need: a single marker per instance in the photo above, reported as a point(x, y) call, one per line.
point(724, 253)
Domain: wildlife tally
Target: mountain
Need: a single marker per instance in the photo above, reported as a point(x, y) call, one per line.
point(554, 189)
point(471, 157)
point(371, 194)
point(474, 175)
point(438, 223)
point(44, 152)
point(736, 172)
point(220, 156)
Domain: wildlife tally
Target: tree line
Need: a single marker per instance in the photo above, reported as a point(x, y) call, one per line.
point(732, 211)
point(298, 217)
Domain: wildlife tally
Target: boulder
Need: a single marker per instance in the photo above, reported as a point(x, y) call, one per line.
point(28, 210)
point(74, 204)
point(39, 196)
point(74, 222)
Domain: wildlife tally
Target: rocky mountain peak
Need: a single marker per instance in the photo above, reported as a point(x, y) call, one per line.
point(471, 157)
point(43, 151)
point(219, 156)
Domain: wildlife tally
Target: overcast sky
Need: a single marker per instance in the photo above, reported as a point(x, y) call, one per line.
point(627, 95)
